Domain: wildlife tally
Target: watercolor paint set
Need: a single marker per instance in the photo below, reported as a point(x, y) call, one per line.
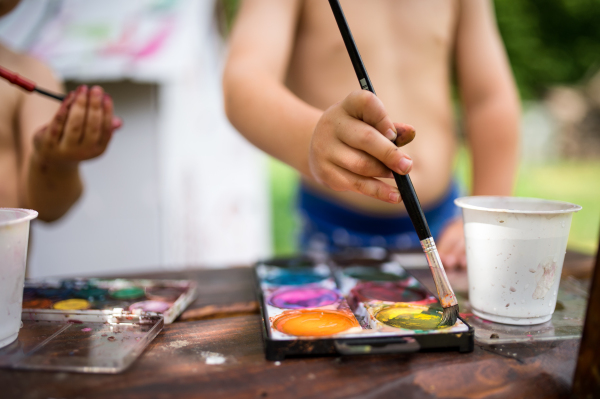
point(349, 307)
point(93, 325)
point(166, 297)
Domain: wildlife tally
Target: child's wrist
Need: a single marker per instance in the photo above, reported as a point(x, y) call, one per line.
point(47, 164)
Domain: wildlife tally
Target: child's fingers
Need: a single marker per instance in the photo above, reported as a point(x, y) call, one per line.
point(107, 122)
point(40, 139)
point(117, 122)
point(344, 180)
point(406, 134)
point(94, 119)
point(364, 105)
point(76, 119)
point(360, 163)
point(52, 134)
point(369, 140)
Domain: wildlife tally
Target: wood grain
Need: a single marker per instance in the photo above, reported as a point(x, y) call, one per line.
point(586, 382)
point(220, 311)
point(174, 365)
point(183, 362)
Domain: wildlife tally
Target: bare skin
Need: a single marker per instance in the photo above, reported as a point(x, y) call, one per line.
point(290, 89)
point(43, 141)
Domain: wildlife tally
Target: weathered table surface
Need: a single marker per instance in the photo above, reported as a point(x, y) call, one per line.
point(175, 363)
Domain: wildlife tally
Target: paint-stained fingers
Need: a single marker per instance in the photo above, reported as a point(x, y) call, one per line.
point(41, 139)
point(117, 122)
point(406, 134)
point(108, 122)
point(367, 139)
point(364, 105)
point(346, 180)
point(49, 137)
point(360, 163)
point(76, 120)
point(94, 121)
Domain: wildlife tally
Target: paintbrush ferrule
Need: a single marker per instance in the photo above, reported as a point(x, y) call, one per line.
point(445, 293)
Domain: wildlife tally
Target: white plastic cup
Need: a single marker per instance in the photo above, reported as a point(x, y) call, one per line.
point(14, 238)
point(515, 253)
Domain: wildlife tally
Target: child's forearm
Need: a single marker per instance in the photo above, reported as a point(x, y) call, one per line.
point(270, 116)
point(51, 189)
point(493, 132)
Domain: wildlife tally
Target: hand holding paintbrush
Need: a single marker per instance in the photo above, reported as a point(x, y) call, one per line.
point(409, 196)
point(80, 129)
point(346, 133)
point(53, 143)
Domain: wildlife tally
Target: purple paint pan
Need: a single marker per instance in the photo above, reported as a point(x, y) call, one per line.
point(302, 298)
point(151, 306)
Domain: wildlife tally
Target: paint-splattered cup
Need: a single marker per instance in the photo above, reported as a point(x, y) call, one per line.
point(14, 238)
point(515, 253)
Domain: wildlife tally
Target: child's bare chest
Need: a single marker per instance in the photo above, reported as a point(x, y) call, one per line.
point(421, 28)
point(8, 146)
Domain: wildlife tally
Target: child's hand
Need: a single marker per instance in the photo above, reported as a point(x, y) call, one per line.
point(80, 129)
point(351, 146)
point(451, 245)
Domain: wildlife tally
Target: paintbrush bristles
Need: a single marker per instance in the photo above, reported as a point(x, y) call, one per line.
point(449, 317)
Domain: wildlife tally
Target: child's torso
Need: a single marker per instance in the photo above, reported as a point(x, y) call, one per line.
point(407, 48)
point(10, 98)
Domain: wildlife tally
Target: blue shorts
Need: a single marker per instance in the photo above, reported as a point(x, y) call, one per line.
point(327, 226)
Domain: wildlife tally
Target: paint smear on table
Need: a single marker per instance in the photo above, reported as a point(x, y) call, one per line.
point(314, 322)
point(213, 358)
point(303, 297)
point(410, 317)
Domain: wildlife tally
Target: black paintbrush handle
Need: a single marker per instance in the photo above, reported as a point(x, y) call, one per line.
point(357, 63)
point(59, 97)
point(407, 191)
point(412, 204)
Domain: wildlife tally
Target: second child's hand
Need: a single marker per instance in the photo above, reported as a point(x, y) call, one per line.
point(80, 130)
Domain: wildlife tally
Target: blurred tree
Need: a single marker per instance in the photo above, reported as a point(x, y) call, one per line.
point(226, 10)
point(550, 42)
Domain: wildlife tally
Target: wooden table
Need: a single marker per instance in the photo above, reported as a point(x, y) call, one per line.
point(175, 363)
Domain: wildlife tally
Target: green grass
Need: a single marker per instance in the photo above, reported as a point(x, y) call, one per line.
point(575, 181)
point(284, 218)
point(572, 181)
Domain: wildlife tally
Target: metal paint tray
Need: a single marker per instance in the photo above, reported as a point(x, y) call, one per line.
point(80, 341)
point(188, 293)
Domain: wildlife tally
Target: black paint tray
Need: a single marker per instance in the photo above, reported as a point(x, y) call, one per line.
point(277, 282)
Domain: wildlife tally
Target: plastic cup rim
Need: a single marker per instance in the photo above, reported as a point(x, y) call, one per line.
point(29, 214)
point(569, 207)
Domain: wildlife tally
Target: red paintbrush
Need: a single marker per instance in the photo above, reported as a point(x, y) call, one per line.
point(27, 84)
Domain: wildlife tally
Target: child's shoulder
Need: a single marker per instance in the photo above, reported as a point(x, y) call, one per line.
point(27, 66)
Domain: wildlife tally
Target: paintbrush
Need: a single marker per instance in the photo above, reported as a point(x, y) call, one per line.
point(27, 84)
point(407, 191)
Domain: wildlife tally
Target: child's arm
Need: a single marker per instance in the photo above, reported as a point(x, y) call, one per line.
point(491, 112)
point(54, 138)
point(341, 147)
